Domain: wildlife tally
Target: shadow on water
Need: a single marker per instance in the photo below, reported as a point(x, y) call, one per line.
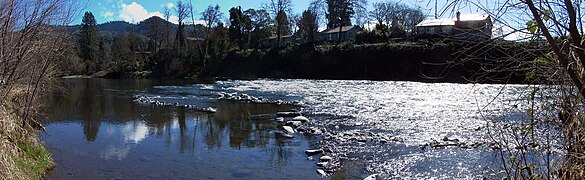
point(96, 130)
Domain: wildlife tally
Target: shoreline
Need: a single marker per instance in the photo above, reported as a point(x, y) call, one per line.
point(23, 155)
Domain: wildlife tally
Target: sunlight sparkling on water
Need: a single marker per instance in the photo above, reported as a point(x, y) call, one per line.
point(413, 113)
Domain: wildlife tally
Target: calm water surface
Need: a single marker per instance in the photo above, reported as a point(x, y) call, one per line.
point(97, 130)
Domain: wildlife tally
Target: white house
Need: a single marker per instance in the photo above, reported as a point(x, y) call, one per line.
point(463, 26)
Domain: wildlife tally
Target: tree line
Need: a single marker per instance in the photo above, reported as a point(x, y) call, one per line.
point(167, 49)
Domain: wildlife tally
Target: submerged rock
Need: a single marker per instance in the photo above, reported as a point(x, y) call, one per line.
point(294, 123)
point(288, 114)
point(283, 134)
point(322, 164)
point(311, 152)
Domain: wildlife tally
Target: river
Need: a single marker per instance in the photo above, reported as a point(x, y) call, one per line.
point(105, 129)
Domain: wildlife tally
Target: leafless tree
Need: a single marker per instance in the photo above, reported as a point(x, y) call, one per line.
point(182, 10)
point(553, 41)
point(167, 14)
point(279, 8)
point(30, 47)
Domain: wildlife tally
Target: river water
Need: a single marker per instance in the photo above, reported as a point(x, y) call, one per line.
point(102, 129)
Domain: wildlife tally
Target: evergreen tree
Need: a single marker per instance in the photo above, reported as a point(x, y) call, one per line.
point(90, 43)
point(339, 13)
point(308, 26)
point(283, 27)
point(240, 24)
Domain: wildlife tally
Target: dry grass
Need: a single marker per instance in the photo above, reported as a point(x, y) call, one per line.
point(21, 155)
point(9, 131)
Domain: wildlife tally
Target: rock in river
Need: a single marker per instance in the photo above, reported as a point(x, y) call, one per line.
point(325, 158)
point(294, 123)
point(321, 172)
point(311, 152)
point(288, 129)
point(302, 119)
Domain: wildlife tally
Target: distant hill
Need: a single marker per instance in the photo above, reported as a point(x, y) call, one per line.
point(117, 27)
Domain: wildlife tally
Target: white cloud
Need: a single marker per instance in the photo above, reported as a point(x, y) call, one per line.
point(170, 5)
point(108, 15)
point(135, 12)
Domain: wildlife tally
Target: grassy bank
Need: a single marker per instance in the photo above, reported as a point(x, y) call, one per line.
point(22, 156)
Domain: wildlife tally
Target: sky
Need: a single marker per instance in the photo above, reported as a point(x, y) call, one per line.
point(135, 11)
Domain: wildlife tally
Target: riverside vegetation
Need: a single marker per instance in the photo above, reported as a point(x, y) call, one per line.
point(29, 54)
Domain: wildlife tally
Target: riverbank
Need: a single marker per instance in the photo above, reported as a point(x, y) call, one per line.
point(22, 156)
point(420, 61)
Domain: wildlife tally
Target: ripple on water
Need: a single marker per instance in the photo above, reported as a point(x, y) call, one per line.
point(407, 114)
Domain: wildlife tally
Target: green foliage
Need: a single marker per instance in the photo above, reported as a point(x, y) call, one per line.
point(531, 26)
point(283, 24)
point(90, 43)
point(240, 26)
point(261, 27)
point(35, 161)
point(308, 26)
point(540, 60)
point(339, 13)
point(530, 75)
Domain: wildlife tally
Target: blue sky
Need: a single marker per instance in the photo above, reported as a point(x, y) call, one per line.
point(138, 10)
point(135, 11)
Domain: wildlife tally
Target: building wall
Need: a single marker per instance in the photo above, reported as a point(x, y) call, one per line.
point(465, 30)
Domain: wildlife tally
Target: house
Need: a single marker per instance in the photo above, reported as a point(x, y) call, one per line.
point(347, 33)
point(285, 40)
point(462, 27)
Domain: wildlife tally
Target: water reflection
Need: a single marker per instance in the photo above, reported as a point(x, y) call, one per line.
point(124, 137)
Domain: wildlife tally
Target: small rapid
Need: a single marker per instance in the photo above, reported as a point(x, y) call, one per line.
point(395, 129)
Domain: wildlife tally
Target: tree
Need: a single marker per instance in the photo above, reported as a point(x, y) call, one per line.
point(361, 12)
point(339, 13)
point(317, 7)
point(279, 9)
point(90, 42)
point(550, 144)
point(182, 10)
point(156, 32)
point(414, 17)
point(293, 20)
point(308, 26)
point(211, 16)
point(30, 51)
point(261, 25)
point(395, 19)
point(167, 33)
point(240, 25)
point(283, 23)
